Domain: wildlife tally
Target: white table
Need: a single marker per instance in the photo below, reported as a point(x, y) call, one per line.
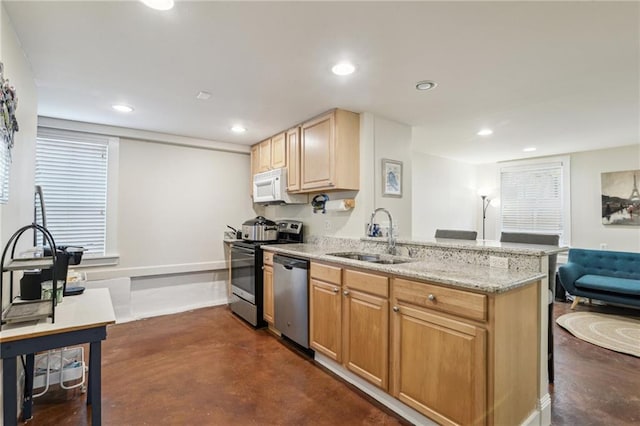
point(79, 319)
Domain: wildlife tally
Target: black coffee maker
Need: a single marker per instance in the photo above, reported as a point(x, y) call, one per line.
point(30, 285)
point(65, 256)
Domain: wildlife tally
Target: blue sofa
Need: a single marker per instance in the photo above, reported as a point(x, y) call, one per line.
point(610, 276)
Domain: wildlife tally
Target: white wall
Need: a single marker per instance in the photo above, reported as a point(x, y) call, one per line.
point(444, 196)
point(393, 142)
point(586, 224)
point(19, 210)
point(587, 230)
point(175, 201)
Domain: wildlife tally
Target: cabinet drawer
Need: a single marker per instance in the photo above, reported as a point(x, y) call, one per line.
point(268, 258)
point(457, 302)
point(330, 274)
point(368, 283)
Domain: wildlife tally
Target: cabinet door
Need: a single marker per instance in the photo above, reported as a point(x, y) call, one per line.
point(293, 159)
point(267, 310)
point(438, 366)
point(325, 319)
point(265, 156)
point(278, 151)
point(366, 336)
point(255, 165)
point(317, 139)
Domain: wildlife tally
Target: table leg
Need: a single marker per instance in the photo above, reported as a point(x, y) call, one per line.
point(27, 401)
point(9, 397)
point(94, 397)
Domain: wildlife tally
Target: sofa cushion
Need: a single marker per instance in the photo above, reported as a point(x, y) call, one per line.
point(610, 263)
point(609, 284)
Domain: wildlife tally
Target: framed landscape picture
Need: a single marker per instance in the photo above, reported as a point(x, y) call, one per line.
point(391, 178)
point(621, 198)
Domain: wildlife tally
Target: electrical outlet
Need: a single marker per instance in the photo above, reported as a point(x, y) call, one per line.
point(603, 246)
point(327, 225)
point(499, 262)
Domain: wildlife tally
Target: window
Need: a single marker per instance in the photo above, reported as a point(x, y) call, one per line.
point(535, 197)
point(72, 169)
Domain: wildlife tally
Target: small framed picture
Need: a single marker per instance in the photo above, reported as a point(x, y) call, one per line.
point(391, 178)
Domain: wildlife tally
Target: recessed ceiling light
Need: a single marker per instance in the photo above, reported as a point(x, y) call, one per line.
point(485, 132)
point(122, 108)
point(203, 95)
point(426, 85)
point(530, 149)
point(238, 129)
point(343, 68)
point(159, 4)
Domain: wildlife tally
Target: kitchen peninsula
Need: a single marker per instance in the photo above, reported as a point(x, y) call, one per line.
point(439, 336)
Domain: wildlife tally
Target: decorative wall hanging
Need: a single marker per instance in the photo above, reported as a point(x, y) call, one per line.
point(391, 178)
point(8, 127)
point(9, 105)
point(621, 198)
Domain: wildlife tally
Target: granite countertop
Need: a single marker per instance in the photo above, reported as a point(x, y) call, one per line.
point(486, 245)
point(462, 275)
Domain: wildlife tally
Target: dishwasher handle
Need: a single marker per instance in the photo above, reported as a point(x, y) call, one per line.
point(291, 262)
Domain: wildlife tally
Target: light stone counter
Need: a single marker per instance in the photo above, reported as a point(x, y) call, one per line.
point(449, 272)
point(487, 246)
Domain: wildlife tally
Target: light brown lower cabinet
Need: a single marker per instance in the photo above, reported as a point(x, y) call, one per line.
point(456, 356)
point(464, 358)
point(365, 326)
point(325, 318)
point(439, 366)
point(267, 288)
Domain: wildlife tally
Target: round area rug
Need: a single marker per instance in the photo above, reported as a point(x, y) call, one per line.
point(620, 334)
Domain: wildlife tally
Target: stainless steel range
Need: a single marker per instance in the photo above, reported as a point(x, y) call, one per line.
point(246, 271)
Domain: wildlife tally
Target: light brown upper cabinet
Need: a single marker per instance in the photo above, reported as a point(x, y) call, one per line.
point(278, 151)
point(255, 165)
point(264, 164)
point(293, 159)
point(269, 154)
point(330, 155)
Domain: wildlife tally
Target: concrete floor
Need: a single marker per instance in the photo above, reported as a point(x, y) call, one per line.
point(207, 367)
point(593, 386)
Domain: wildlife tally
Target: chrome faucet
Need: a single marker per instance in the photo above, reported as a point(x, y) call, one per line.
point(391, 241)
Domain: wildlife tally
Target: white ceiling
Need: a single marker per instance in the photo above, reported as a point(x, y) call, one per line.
point(560, 76)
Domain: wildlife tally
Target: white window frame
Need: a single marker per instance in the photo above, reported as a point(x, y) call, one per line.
point(565, 160)
point(111, 256)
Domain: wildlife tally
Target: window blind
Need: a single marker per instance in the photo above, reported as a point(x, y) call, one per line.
point(71, 168)
point(532, 198)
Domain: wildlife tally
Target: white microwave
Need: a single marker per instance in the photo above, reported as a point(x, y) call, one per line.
point(271, 188)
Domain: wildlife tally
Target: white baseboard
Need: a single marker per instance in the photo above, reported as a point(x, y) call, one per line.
point(165, 300)
point(163, 295)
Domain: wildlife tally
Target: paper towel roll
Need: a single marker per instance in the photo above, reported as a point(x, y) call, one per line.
point(339, 205)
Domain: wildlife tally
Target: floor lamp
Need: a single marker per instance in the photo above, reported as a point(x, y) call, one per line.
point(485, 203)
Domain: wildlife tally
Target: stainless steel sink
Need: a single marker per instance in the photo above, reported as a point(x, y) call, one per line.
point(371, 257)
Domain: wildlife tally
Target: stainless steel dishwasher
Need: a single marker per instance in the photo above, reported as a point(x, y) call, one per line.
point(291, 298)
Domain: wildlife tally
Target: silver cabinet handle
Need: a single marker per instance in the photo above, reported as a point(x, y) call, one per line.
point(432, 297)
point(346, 292)
point(335, 290)
point(396, 309)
